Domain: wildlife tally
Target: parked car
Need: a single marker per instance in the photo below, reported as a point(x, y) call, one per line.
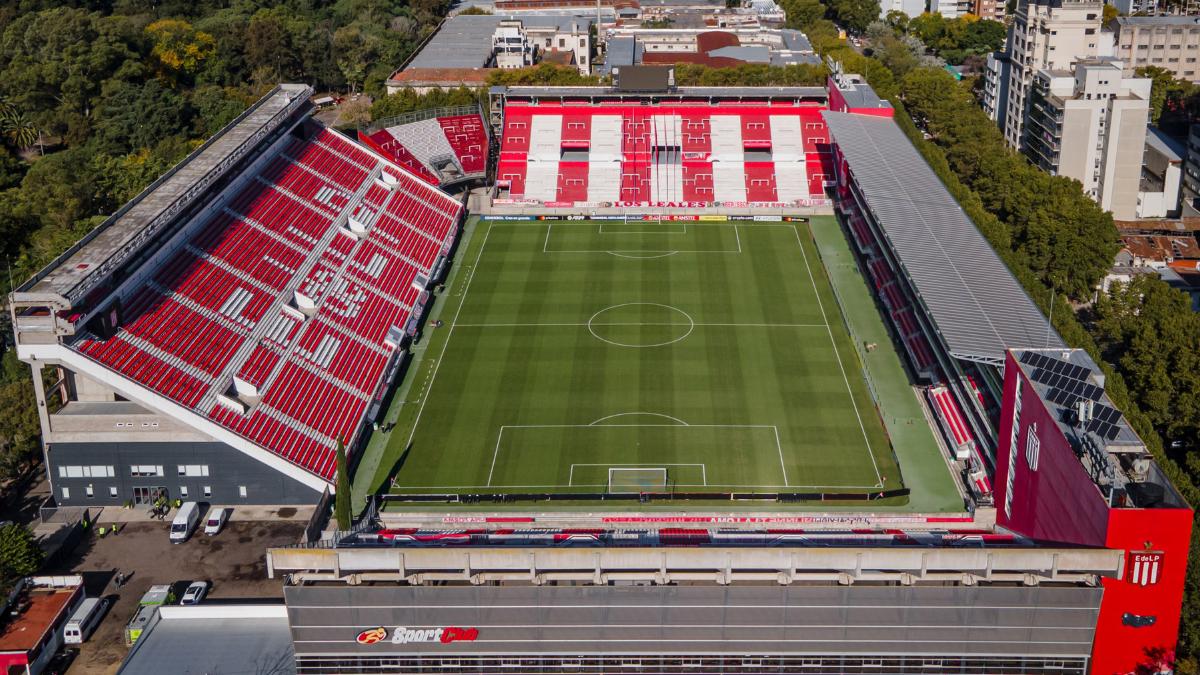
point(216, 520)
point(195, 593)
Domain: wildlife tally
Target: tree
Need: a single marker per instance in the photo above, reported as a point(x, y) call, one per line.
point(180, 49)
point(854, 15)
point(19, 426)
point(20, 129)
point(20, 555)
point(341, 500)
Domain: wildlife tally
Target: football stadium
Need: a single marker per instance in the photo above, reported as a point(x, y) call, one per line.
point(632, 378)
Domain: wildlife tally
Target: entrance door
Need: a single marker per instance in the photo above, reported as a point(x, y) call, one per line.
point(146, 495)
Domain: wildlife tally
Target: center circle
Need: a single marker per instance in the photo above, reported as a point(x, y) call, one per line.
point(641, 324)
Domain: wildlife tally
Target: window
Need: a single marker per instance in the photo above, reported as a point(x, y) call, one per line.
point(66, 493)
point(89, 491)
point(242, 491)
point(98, 471)
point(1033, 447)
point(145, 470)
point(183, 491)
point(112, 492)
point(207, 490)
point(194, 470)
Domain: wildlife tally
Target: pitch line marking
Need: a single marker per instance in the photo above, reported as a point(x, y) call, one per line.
point(691, 324)
point(838, 356)
point(424, 489)
point(775, 428)
point(640, 257)
point(698, 324)
point(609, 417)
point(453, 322)
point(571, 472)
point(601, 230)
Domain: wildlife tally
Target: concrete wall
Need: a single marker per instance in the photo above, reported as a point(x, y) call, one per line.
point(228, 471)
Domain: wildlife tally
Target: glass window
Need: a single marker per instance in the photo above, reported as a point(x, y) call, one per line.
point(207, 490)
point(66, 493)
point(112, 492)
point(183, 491)
point(89, 491)
point(241, 490)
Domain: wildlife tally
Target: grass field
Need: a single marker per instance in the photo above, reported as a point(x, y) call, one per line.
point(709, 353)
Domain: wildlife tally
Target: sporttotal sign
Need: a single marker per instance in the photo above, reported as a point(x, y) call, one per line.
point(403, 636)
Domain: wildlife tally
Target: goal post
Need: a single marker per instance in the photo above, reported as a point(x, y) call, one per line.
point(635, 480)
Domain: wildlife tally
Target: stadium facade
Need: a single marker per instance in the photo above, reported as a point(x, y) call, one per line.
point(255, 304)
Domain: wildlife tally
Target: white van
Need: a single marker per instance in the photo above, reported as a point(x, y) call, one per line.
point(83, 622)
point(185, 522)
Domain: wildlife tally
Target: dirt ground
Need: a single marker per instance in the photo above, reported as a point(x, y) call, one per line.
point(234, 560)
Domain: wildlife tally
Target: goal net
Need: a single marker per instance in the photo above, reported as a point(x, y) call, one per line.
point(628, 480)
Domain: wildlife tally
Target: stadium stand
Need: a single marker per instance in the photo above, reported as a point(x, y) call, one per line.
point(442, 146)
point(761, 154)
point(273, 319)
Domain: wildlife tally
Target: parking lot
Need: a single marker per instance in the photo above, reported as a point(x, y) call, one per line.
point(233, 560)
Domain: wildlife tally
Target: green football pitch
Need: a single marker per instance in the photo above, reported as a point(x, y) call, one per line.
point(589, 356)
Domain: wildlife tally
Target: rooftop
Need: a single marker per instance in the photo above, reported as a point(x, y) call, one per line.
point(24, 632)
point(214, 638)
point(465, 40)
point(1072, 386)
point(1163, 144)
point(1186, 224)
point(451, 76)
point(980, 309)
point(1151, 21)
point(1162, 248)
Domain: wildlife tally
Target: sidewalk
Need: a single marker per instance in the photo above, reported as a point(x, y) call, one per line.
point(244, 513)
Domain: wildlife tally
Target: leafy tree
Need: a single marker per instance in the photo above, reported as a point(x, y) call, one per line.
point(341, 500)
point(541, 74)
point(854, 15)
point(180, 49)
point(408, 100)
point(140, 116)
point(20, 129)
point(19, 425)
point(19, 552)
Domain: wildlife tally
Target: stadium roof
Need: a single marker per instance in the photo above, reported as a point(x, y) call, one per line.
point(102, 250)
point(979, 307)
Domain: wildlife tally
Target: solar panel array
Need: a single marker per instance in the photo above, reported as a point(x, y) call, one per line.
point(1068, 386)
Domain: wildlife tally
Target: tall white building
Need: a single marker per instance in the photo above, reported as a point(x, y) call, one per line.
point(1045, 34)
point(1089, 123)
point(912, 8)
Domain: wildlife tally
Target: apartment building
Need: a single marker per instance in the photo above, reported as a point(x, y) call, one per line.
point(989, 9)
point(1171, 42)
point(951, 9)
point(911, 8)
point(1045, 35)
point(1089, 123)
